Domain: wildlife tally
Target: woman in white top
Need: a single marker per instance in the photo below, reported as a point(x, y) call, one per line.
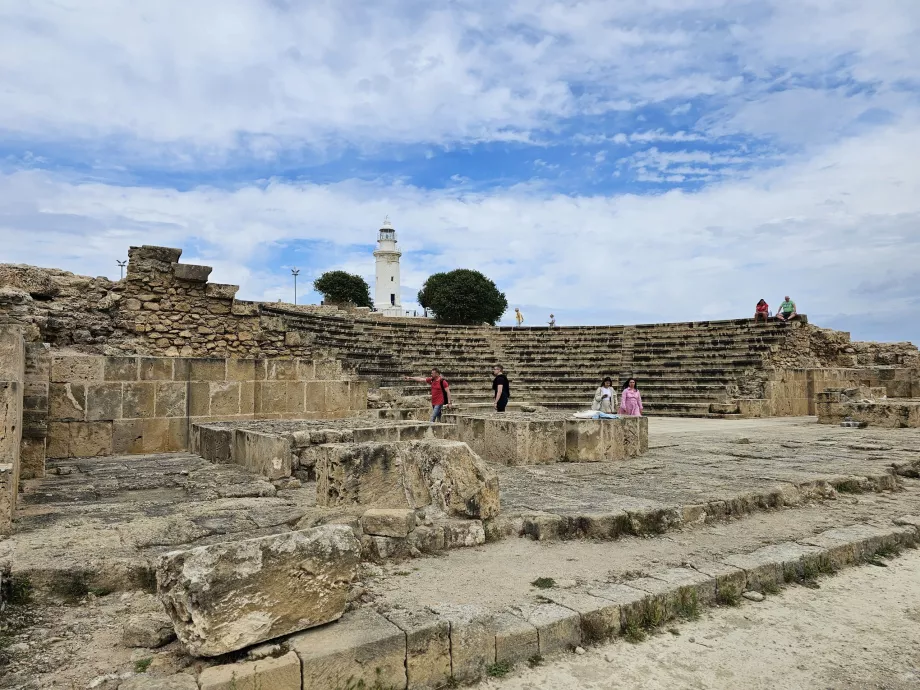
point(605, 397)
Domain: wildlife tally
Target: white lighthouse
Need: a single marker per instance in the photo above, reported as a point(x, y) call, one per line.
point(386, 290)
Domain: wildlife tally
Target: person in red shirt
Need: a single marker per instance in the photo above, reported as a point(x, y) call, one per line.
point(762, 311)
point(440, 392)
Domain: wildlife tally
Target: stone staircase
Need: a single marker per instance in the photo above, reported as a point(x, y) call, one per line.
point(682, 368)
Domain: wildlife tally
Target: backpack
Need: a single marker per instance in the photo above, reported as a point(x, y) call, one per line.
point(444, 391)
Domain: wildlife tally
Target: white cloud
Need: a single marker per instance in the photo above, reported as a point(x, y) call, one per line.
point(169, 79)
point(837, 230)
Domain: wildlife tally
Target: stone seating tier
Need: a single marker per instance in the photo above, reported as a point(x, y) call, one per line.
point(682, 367)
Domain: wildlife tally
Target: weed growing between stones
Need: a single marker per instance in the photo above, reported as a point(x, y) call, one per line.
point(728, 596)
point(633, 633)
point(594, 631)
point(544, 583)
point(655, 614)
point(689, 605)
point(770, 588)
point(535, 660)
point(141, 665)
point(499, 669)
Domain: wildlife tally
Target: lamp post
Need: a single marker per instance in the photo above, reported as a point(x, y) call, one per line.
point(121, 265)
point(295, 272)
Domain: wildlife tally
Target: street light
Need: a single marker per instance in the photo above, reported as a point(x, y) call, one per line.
point(295, 272)
point(121, 265)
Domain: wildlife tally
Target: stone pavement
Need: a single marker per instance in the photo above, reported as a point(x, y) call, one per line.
point(99, 522)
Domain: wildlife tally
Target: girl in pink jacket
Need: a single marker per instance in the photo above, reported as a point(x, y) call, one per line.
point(631, 400)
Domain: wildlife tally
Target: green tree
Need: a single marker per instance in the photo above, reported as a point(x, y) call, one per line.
point(463, 297)
point(339, 287)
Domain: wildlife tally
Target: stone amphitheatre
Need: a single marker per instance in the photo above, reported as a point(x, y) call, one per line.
point(203, 492)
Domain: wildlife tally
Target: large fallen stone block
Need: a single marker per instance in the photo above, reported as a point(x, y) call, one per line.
point(231, 595)
point(444, 475)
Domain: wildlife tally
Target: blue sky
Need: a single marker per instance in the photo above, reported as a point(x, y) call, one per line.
point(608, 161)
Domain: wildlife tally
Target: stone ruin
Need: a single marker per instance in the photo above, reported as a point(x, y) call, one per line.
point(250, 463)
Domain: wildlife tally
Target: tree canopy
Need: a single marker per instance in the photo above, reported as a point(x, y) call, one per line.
point(339, 287)
point(463, 296)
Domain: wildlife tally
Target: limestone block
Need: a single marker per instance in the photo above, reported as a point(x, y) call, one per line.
point(138, 400)
point(338, 396)
point(221, 290)
point(386, 522)
point(180, 681)
point(199, 398)
point(267, 454)
point(314, 396)
point(214, 443)
point(306, 370)
point(278, 397)
point(299, 338)
point(156, 369)
point(674, 590)
point(103, 401)
point(516, 640)
point(231, 595)
point(635, 435)
point(201, 369)
point(243, 308)
point(241, 370)
point(600, 618)
point(328, 369)
point(58, 441)
point(32, 458)
point(463, 533)
point(761, 568)
point(363, 649)
point(444, 474)
point(7, 497)
point(67, 401)
point(247, 397)
point(149, 630)
point(164, 435)
point(89, 439)
point(357, 392)
point(427, 647)
point(280, 369)
point(282, 673)
point(127, 436)
point(121, 369)
point(630, 600)
point(225, 398)
point(66, 368)
point(588, 440)
point(149, 252)
point(472, 639)
point(171, 399)
point(729, 580)
point(191, 272)
point(558, 628)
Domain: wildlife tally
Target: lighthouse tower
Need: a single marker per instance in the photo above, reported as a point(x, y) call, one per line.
point(386, 289)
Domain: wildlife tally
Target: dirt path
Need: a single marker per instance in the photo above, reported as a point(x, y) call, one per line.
point(861, 629)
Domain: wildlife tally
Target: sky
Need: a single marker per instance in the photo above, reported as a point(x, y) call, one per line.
point(608, 161)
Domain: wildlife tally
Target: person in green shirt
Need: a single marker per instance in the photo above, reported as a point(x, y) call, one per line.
point(786, 311)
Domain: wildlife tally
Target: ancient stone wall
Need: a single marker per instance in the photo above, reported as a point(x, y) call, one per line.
point(12, 366)
point(809, 346)
point(162, 307)
point(101, 405)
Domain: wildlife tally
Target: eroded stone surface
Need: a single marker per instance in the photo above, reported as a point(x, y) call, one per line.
point(444, 475)
point(228, 596)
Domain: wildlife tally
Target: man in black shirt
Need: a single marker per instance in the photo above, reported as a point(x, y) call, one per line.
point(501, 388)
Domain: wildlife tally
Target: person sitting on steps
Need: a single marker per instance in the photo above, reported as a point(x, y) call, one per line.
point(440, 392)
point(761, 311)
point(605, 397)
point(786, 311)
point(631, 400)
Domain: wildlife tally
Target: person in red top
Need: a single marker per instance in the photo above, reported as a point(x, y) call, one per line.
point(440, 392)
point(762, 311)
